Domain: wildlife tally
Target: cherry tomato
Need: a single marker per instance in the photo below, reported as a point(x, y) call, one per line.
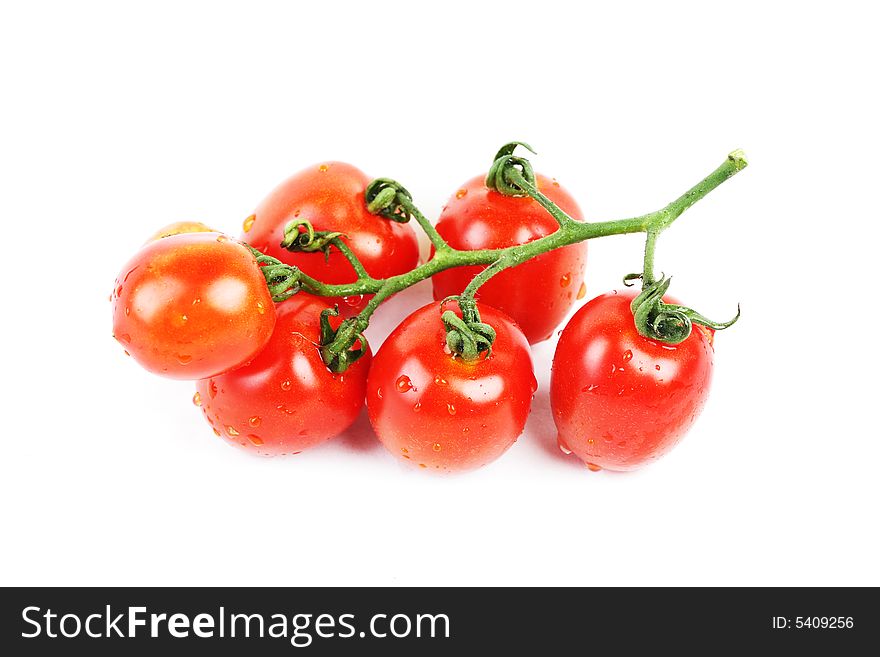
point(285, 400)
point(536, 294)
point(331, 197)
point(179, 227)
point(444, 413)
point(619, 399)
point(192, 305)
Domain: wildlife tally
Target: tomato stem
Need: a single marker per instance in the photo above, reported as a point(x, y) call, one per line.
point(513, 176)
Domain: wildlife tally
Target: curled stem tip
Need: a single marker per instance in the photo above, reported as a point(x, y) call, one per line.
point(669, 323)
point(300, 235)
point(467, 336)
point(509, 173)
point(338, 349)
point(282, 280)
point(389, 199)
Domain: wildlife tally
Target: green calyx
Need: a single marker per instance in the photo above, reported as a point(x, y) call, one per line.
point(337, 345)
point(509, 173)
point(282, 280)
point(467, 336)
point(300, 235)
point(664, 322)
point(389, 199)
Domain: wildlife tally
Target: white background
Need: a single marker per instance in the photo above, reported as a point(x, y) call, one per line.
point(118, 118)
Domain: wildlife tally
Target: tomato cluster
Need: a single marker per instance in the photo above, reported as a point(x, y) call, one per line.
point(193, 303)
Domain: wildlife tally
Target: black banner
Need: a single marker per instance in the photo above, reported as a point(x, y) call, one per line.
point(341, 621)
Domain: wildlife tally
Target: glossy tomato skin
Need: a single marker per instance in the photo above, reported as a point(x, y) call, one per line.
point(538, 293)
point(621, 400)
point(285, 400)
point(331, 197)
point(443, 413)
point(192, 305)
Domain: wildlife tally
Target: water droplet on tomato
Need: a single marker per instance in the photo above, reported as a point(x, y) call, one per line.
point(621, 444)
point(197, 399)
point(124, 337)
point(323, 168)
point(582, 291)
point(184, 319)
point(461, 193)
point(422, 465)
point(231, 431)
point(118, 290)
point(417, 407)
point(589, 388)
point(590, 441)
point(379, 393)
point(127, 311)
point(184, 359)
point(404, 450)
point(555, 183)
point(437, 447)
point(126, 353)
point(627, 355)
point(563, 447)
point(285, 385)
point(249, 223)
point(255, 440)
point(196, 301)
point(439, 380)
point(657, 367)
point(304, 432)
point(592, 467)
point(450, 408)
point(565, 281)
point(255, 421)
point(216, 433)
point(261, 308)
point(212, 389)
point(222, 238)
point(353, 301)
point(404, 384)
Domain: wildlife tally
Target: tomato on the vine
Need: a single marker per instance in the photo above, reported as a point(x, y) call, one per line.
point(441, 412)
point(619, 399)
point(285, 400)
point(331, 197)
point(538, 293)
point(192, 305)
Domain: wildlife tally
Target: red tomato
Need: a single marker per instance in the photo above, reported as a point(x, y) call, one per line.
point(619, 399)
point(331, 197)
point(285, 400)
point(536, 294)
point(192, 305)
point(445, 413)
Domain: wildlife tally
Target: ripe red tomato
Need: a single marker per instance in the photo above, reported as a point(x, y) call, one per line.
point(285, 400)
point(619, 399)
point(479, 218)
point(192, 305)
point(331, 197)
point(445, 413)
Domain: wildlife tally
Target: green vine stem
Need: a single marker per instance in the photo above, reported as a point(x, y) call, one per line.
point(510, 175)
